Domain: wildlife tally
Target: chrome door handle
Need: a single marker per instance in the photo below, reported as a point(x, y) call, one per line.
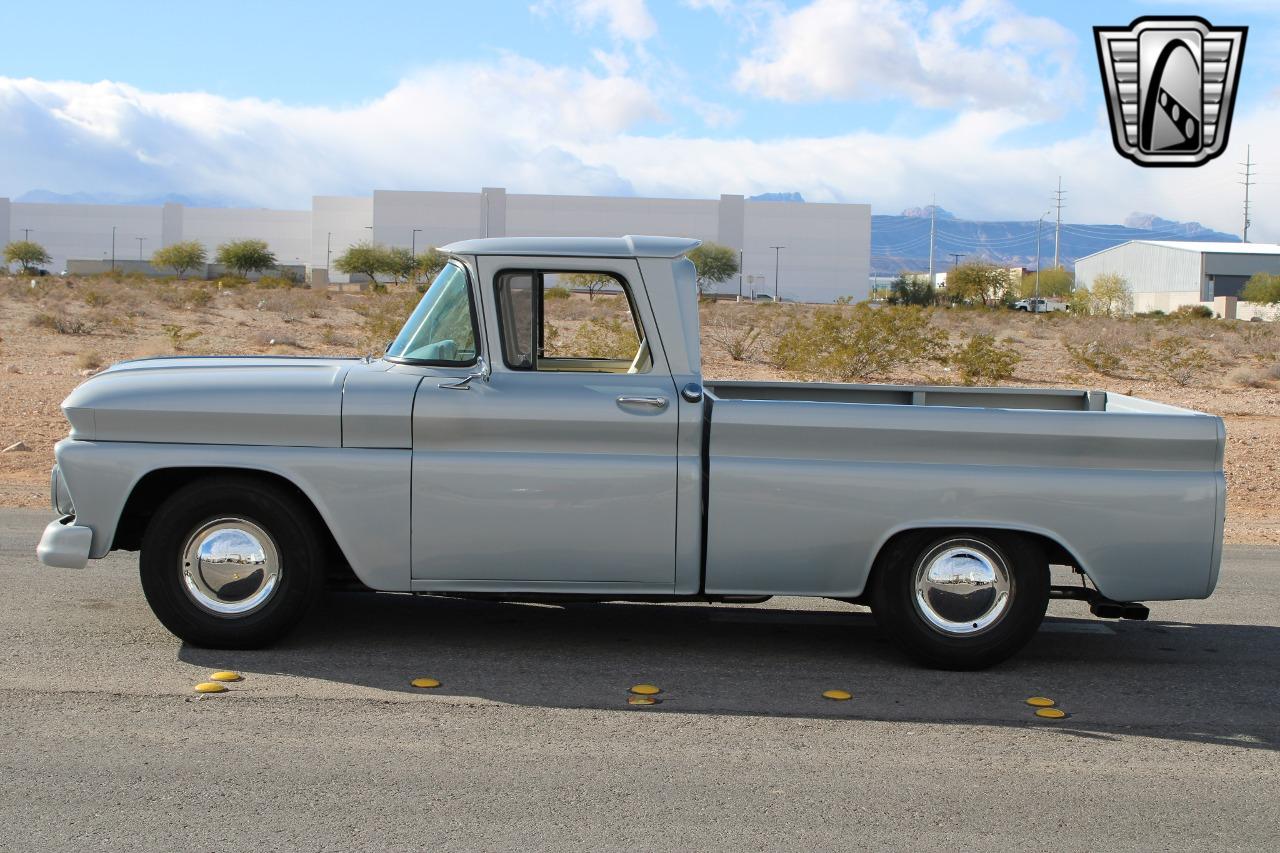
point(653, 402)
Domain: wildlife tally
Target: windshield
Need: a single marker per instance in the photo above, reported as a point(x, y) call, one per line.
point(441, 330)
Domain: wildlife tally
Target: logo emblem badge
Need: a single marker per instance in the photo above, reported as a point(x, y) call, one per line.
point(1171, 86)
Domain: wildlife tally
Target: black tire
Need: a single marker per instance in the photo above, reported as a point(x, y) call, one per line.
point(894, 600)
point(292, 530)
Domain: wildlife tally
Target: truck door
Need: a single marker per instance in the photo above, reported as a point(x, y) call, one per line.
point(557, 470)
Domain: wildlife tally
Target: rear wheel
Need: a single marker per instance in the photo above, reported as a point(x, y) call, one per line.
point(961, 600)
point(231, 562)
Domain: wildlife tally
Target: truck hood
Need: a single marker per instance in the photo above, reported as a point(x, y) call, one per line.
point(214, 400)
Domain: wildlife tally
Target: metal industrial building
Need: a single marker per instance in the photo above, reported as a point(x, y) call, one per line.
point(1166, 274)
point(825, 248)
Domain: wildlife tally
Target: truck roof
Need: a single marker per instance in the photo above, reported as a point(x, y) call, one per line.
point(629, 246)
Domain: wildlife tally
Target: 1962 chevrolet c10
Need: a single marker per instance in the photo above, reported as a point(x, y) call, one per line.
point(484, 455)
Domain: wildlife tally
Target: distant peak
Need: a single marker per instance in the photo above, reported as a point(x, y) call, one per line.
point(791, 196)
point(924, 212)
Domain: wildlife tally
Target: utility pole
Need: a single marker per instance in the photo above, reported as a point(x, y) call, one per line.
point(413, 243)
point(739, 275)
point(1247, 182)
point(328, 249)
point(955, 258)
point(1057, 228)
point(113, 249)
point(777, 263)
point(1035, 305)
point(26, 234)
point(140, 239)
point(933, 228)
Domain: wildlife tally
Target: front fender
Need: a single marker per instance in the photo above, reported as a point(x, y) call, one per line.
point(361, 494)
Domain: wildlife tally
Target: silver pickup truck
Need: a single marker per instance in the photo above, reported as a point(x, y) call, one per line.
point(497, 451)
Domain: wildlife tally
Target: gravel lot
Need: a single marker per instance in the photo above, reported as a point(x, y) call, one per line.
point(1172, 740)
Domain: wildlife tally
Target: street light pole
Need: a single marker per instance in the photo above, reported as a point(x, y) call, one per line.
point(113, 249)
point(140, 239)
point(777, 263)
point(26, 234)
point(413, 243)
point(328, 250)
point(1035, 305)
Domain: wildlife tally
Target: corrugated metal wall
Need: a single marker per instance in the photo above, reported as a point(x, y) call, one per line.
point(1147, 268)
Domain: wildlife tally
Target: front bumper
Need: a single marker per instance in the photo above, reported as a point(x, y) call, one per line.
point(65, 544)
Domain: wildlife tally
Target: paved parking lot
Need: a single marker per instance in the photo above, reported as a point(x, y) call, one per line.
point(1173, 738)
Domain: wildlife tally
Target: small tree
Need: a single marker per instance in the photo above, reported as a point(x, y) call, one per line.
point(1053, 282)
point(977, 281)
point(911, 290)
point(400, 264)
point(28, 254)
point(429, 263)
point(1110, 295)
point(180, 257)
point(714, 264)
point(591, 282)
point(364, 258)
point(1263, 288)
point(245, 256)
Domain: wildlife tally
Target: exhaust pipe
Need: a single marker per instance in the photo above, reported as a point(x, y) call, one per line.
point(1106, 609)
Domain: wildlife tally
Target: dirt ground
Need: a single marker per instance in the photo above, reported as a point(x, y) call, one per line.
point(57, 333)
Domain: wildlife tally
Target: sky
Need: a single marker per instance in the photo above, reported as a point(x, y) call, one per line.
point(981, 103)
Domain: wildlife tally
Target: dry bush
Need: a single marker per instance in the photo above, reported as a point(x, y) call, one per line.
point(982, 359)
point(737, 336)
point(1177, 359)
point(88, 360)
point(1247, 377)
point(178, 337)
point(1273, 372)
point(383, 316)
point(601, 338)
point(95, 298)
point(858, 343)
point(1103, 345)
point(62, 323)
point(329, 337)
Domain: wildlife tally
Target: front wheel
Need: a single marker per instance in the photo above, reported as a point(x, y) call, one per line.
point(961, 600)
point(231, 563)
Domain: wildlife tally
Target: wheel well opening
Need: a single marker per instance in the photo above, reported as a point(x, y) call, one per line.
point(1055, 552)
point(151, 491)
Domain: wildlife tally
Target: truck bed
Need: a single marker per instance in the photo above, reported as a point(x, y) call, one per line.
point(816, 477)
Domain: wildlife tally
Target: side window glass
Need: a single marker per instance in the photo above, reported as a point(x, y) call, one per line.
point(441, 330)
point(570, 321)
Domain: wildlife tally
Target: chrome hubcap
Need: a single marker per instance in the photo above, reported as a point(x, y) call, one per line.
point(230, 567)
point(962, 587)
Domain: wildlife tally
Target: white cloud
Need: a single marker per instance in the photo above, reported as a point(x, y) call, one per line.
point(979, 54)
point(537, 128)
point(625, 20)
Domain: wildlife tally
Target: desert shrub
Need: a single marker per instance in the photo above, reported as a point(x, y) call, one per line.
point(1192, 312)
point(330, 337)
point(95, 298)
point(557, 293)
point(738, 340)
point(382, 317)
point(63, 324)
point(178, 336)
point(598, 337)
point(1273, 372)
point(199, 297)
point(1177, 359)
point(1098, 347)
point(862, 342)
point(276, 339)
point(1247, 377)
point(275, 282)
point(88, 360)
point(982, 359)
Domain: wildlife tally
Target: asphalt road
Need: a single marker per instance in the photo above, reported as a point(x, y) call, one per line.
point(1173, 738)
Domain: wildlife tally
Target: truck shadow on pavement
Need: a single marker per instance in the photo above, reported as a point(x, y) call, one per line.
point(1207, 683)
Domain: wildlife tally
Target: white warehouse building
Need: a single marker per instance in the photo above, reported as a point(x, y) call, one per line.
point(825, 254)
point(1167, 274)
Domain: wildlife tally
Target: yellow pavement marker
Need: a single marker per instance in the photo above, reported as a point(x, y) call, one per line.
point(645, 690)
point(1041, 702)
point(642, 700)
point(211, 687)
point(425, 682)
point(1051, 713)
point(225, 675)
point(838, 695)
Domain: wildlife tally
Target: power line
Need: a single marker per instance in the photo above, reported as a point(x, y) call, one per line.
point(1247, 182)
point(955, 258)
